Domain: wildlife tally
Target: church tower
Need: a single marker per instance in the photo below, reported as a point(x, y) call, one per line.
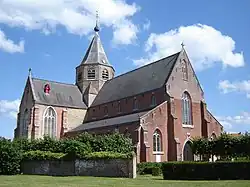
point(94, 69)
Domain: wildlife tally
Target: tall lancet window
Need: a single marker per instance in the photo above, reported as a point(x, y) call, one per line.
point(25, 123)
point(184, 70)
point(157, 141)
point(186, 109)
point(49, 123)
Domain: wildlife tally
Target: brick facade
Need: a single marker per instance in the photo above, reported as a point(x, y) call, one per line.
point(161, 108)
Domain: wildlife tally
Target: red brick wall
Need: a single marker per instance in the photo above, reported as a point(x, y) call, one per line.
point(156, 119)
point(144, 103)
point(213, 126)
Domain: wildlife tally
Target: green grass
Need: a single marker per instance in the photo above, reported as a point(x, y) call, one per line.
point(140, 181)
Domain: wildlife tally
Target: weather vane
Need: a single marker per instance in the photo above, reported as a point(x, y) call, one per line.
point(96, 29)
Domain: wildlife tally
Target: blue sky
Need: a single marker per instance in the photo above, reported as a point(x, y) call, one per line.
point(51, 37)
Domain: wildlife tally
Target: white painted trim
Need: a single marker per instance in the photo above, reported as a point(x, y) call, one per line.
point(187, 126)
point(187, 140)
point(42, 129)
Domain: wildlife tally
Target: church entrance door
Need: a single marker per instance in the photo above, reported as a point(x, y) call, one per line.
point(187, 152)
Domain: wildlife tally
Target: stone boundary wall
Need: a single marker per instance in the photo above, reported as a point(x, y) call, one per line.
point(98, 168)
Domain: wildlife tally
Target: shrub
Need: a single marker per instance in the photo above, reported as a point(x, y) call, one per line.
point(147, 167)
point(206, 170)
point(42, 155)
point(156, 171)
point(10, 157)
point(107, 155)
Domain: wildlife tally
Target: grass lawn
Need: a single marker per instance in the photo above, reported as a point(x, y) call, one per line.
point(140, 181)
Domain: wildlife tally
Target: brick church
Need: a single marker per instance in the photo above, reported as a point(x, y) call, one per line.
point(161, 105)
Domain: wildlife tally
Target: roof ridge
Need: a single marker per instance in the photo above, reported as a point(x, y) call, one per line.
point(143, 66)
point(69, 84)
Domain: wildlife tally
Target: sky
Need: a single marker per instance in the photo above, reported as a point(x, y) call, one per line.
point(51, 38)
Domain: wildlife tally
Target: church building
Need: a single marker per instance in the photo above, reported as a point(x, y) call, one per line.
point(161, 105)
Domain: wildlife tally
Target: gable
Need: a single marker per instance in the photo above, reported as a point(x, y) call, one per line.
point(27, 100)
point(177, 82)
point(141, 80)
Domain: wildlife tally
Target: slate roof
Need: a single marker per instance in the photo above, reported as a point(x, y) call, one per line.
point(95, 53)
point(110, 121)
point(61, 94)
point(146, 78)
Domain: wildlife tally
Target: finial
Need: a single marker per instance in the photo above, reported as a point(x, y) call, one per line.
point(29, 72)
point(96, 29)
point(182, 45)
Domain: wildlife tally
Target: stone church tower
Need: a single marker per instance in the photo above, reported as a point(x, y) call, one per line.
point(94, 69)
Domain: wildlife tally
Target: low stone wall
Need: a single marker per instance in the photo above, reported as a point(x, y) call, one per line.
point(98, 168)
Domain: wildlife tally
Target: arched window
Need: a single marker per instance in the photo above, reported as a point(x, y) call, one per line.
point(49, 123)
point(25, 123)
point(157, 141)
point(135, 104)
point(91, 73)
point(105, 74)
point(186, 109)
point(184, 70)
point(153, 100)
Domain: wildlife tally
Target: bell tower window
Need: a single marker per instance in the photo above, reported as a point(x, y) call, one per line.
point(105, 74)
point(91, 73)
point(79, 77)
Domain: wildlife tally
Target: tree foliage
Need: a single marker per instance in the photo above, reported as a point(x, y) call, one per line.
point(226, 146)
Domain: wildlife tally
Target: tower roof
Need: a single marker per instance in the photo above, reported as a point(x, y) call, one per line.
point(95, 53)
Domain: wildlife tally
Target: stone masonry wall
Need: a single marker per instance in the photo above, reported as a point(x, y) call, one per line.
point(98, 168)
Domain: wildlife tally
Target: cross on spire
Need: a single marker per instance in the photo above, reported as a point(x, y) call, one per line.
point(96, 29)
point(182, 45)
point(29, 72)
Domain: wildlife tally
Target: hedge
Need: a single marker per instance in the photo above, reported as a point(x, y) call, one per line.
point(10, 157)
point(47, 155)
point(145, 168)
point(206, 170)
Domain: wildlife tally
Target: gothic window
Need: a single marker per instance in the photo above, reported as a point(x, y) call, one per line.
point(157, 141)
point(49, 123)
point(79, 77)
point(184, 70)
point(135, 104)
point(119, 107)
point(153, 100)
point(25, 123)
point(186, 109)
point(91, 73)
point(46, 88)
point(105, 74)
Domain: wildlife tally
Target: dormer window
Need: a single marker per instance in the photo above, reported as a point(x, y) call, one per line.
point(105, 74)
point(46, 88)
point(91, 73)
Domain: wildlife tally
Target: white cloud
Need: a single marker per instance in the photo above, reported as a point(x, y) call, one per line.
point(146, 25)
point(233, 122)
point(204, 44)
point(9, 46)
point(9, 108)
point(238, 86)
point(77, 16)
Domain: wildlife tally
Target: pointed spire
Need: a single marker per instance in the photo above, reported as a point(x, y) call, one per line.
point(97, 29)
